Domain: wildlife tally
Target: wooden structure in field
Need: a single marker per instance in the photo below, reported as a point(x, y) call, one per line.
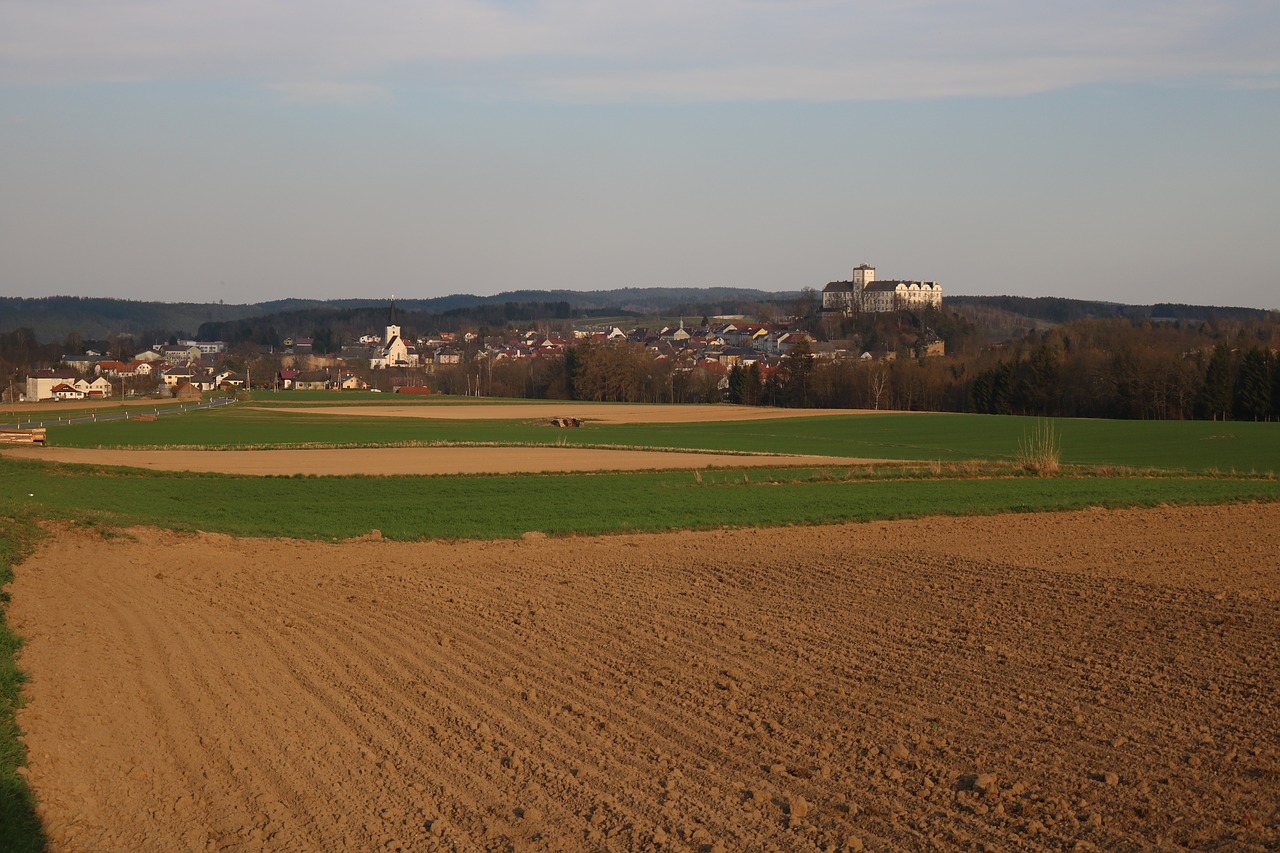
point(22, 436)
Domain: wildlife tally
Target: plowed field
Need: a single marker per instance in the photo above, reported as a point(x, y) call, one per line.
point(1099, 680)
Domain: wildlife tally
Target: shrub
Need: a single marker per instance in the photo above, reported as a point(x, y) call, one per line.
point(1040, 450)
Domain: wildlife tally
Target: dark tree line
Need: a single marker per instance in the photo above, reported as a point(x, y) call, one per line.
point(1108, 368)
point(1220, 383)
point(621, 372)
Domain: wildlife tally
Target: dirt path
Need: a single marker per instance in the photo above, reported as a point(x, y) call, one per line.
point(1093, 680)
point(393, 461)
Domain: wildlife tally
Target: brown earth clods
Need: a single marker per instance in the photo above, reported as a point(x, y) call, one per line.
point(1095, 680)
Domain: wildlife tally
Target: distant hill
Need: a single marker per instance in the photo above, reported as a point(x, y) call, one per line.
point(53, 318)
point(1054, 309)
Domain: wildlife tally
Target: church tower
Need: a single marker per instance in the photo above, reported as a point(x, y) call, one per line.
point(393, 330)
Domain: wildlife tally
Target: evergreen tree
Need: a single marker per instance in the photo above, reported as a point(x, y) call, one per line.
point(1253, 386)
point(737, 382)
point(1214, 400)
point(753, 385)
point(797, 375)
point(1275, 388)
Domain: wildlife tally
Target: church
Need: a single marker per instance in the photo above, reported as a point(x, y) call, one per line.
point(396, 351)
point(865, 294)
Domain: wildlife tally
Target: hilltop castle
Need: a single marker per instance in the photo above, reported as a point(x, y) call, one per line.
point(864, 293)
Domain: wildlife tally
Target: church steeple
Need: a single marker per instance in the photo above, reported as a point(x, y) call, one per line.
point(393, 328)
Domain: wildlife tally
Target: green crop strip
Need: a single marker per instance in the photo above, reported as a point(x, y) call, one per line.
point(508, 505)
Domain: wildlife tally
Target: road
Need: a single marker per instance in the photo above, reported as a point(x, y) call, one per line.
point(117, 416)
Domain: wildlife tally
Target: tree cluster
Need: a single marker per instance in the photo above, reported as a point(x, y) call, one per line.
point(1105, 368)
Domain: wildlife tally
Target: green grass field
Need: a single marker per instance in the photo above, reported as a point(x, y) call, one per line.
point(1196, 446)
point(508, 505)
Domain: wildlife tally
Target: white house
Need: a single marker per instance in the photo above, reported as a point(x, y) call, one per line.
point(99, 387)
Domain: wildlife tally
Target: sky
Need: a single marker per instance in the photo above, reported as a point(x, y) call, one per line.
point(248, 150)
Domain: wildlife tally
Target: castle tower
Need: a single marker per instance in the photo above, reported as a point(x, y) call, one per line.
point(863, 275)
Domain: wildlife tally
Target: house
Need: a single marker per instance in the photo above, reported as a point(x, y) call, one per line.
point(112, 368)
point(186, 391)
point(351, 382)
point(229, 380)
point(285, 378)
point(84, 363)
point(40, 383)
point(865, 293)
point(67, 391)
point(174, 375)
point(312, 380)
point(678, 333)
point(179, 353)
point(100, 387)
point(206, 347)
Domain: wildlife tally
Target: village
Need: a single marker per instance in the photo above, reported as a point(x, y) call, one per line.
point(397, 362)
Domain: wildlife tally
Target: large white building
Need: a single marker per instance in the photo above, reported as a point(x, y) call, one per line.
point(41, 385)
point(864, 293)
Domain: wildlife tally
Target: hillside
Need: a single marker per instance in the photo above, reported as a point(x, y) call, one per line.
point(53, 318)
point(1004, 317)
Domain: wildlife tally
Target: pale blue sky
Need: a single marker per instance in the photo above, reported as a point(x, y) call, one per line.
point(254, 150)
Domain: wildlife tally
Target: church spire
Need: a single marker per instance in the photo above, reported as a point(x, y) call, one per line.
point(393, 310)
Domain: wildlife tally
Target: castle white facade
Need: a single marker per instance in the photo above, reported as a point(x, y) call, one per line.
point(864, 293)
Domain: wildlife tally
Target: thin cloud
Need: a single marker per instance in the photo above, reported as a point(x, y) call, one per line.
point(332, 93)
point(597, 50)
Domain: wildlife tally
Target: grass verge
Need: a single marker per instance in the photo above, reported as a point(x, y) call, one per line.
point(20, 829)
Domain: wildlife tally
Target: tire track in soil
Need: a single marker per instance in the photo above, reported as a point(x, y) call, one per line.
point(810, 688)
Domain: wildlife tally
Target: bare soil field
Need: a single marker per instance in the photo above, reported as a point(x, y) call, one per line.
point(395, 461)
point(1098, 680)
point(604, 413)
